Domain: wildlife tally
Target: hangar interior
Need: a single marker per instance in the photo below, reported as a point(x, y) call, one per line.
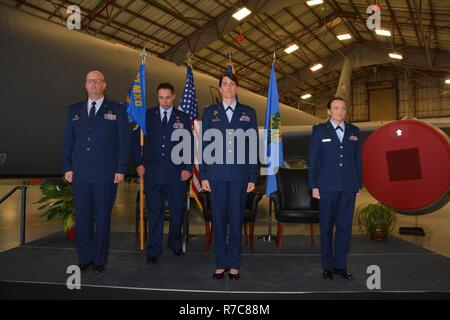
point(169, 29)
point(382, 88)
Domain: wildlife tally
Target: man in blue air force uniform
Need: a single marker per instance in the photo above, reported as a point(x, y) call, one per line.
point(163, 178)
point(228, 183)
point(335, 177)
point(95, 157)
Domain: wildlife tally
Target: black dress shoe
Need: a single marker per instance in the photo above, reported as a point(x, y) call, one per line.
point(178, 253)
point(219, 275)
point(328, 275)
point(343, 273)
point(151, 259)
point(85, 266)
point(98, 268)
point(233, 276)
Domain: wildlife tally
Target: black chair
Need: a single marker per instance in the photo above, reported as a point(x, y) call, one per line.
point(293, 202)
point(185, 228)
point(251, 210)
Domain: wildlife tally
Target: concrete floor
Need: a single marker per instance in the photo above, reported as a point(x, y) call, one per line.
point(436, 225)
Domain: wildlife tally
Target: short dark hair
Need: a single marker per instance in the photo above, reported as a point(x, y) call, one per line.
point(166, 85)
point(233, 77)
point(334, 99)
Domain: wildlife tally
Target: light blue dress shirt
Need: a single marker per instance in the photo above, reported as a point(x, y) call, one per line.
point(169, 112)
point(340, 133)
point(229, 112)
point(98, 104)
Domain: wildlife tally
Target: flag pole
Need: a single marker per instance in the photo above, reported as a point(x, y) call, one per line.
point(141, 178)
point(189, 56)
point(188, 197)
point(269, 237)
point(141, 198)
point(188, 204)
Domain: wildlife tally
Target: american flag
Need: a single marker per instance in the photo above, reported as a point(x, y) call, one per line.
point(189, 105)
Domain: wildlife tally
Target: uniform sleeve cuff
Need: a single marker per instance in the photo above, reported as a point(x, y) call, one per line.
point(122, 169)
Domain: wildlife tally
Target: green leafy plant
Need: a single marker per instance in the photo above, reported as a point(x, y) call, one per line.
point(58, 202)
point(376, 220)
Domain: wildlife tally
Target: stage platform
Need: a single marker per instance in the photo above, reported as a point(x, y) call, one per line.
point(38, 271)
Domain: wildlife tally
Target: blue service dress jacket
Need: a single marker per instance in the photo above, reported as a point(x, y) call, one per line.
point(157, 155)
point(335, 166)
point(244, 117)
point(96, 151)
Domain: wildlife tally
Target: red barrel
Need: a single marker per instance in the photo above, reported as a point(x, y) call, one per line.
point(406, 166)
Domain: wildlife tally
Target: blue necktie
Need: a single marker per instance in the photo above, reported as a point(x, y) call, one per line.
point(92, 112)
point(165, 118)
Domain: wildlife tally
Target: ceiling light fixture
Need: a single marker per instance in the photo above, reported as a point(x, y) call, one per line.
point(345, 36)
point(384, 33)
point(395, 55)
point(314, 2)
point(241, 14)
point(316, 67)
point(291, 48)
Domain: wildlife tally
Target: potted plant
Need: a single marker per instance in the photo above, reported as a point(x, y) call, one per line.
point(376, 220)
point(59, 203)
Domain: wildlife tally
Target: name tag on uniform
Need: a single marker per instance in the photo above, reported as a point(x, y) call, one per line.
point(326, 140)
point(76, 118)
point(110, 116)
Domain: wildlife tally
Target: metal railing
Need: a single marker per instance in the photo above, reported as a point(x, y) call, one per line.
point(23, 209)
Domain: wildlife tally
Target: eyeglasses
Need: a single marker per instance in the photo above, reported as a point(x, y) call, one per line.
point(94, 81)
point(229, 84)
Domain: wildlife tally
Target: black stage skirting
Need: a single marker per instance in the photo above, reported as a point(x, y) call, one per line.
point(38, 270)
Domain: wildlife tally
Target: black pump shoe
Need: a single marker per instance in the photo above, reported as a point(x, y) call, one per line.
point(219, 275)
